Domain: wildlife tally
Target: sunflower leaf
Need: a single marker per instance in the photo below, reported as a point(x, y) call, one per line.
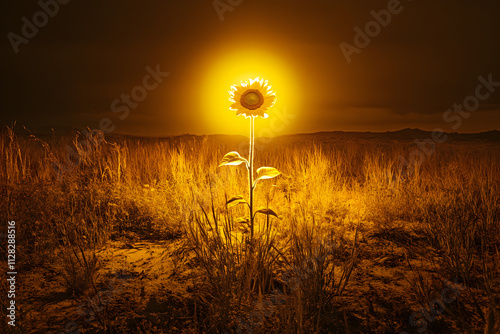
point(242, 220)
point(235, 201)
point(264, 173)
point(266, 211)
point(233, 159)
point(243, 229)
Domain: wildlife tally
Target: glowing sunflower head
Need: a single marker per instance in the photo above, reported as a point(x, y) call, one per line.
point(252, 98)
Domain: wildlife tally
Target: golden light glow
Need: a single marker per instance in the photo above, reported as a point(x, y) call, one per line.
point(225, 68)
point(252, 98)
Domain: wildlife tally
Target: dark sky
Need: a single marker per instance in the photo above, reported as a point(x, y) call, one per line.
point(92, 53)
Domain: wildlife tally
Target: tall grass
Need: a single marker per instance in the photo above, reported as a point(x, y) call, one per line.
point(78, 191)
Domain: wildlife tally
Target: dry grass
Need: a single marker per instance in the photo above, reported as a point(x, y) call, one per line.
point(71, 195)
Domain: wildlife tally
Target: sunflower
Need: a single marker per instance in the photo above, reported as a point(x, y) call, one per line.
point(252, 98)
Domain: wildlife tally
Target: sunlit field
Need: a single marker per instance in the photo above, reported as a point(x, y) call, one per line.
point(127, 234)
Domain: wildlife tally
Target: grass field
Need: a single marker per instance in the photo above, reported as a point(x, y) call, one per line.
point(125, 234)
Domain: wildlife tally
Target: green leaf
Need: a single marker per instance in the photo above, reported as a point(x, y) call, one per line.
point(264, 173)
point(233, 159)
point(235, 201)
point(266, 211)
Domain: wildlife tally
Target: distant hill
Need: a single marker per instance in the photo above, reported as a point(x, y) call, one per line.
point(399, 135)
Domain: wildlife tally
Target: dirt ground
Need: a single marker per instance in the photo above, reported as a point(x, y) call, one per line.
point(143, 286)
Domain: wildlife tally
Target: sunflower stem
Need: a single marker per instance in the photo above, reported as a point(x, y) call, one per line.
point(250, 173)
